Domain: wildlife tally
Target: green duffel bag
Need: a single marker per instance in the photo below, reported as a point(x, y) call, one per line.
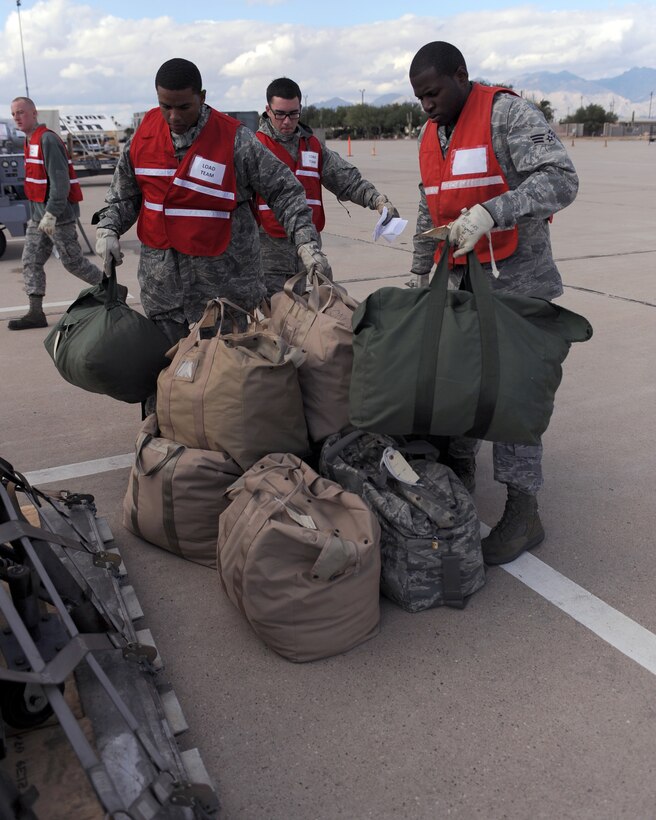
point(103, 346)
point(476, 363)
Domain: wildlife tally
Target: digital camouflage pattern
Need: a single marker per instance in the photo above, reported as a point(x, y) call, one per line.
point(279, 257)
point(417, 532)
point(543, 181)
point(36, 252)
point(176, 287)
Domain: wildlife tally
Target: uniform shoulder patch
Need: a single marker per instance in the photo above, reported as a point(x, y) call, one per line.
point(543, 137)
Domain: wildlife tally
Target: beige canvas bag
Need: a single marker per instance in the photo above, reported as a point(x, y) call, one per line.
point(300, 557)
point(319, 321)
point(238, 393)
point(175, 495)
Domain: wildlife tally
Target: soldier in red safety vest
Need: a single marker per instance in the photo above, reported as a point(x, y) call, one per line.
point(188, 177)
point(53, 189)
point(315, 166)
point(492, 169)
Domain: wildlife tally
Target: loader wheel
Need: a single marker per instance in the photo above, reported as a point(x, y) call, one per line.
point(23, 705)
point(3, 242)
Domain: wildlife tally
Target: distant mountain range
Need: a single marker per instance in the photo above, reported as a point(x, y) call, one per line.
point(627, 94)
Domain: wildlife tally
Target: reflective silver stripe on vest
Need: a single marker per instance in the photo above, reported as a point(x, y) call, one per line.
point(203, 189)
point(308, 174)
point(314, 202)
point(479, 182)
point(195, 212)
point(263, 208)
point(431, 190)
point(74, 181)
point(36, 181)
point(155, 172)
point(153, 206)
point(34, 161)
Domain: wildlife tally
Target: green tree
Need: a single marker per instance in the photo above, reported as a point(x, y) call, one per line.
point(547, 110)
point(593, 118)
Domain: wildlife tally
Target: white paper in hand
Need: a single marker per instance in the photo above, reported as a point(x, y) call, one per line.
point(394, 227)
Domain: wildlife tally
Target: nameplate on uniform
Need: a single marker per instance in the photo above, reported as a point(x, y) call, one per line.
point(207, 170)
point(470, 161)
point(34, 150)
point(310, 159)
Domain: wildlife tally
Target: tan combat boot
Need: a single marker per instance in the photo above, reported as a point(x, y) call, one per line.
point(518, 530)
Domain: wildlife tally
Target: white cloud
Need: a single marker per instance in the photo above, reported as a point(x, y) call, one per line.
point(78, 60)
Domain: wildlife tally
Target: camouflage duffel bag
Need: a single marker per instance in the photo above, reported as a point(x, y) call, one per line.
point(430, 542)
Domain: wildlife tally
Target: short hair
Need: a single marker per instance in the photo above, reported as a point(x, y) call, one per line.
point(178, 74)
point(283, 87)
point(25, 99)
point(445, 58)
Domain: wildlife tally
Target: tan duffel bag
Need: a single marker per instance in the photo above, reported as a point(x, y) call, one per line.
point(319, 321)
point(175, 495)
point(238, 393)
point(300, 557)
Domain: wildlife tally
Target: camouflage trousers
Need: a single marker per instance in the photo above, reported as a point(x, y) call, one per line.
point(36, 252)
point(518, 465)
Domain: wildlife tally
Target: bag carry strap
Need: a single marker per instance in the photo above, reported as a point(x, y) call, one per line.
point(336, 556)
point(110, 283)
point(313, 298)
point(430, 345)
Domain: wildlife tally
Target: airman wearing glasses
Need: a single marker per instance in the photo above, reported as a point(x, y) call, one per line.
point(315, 166)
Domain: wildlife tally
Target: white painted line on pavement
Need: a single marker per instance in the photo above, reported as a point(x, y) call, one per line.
point(625, 635)
point(621, 632)
point(82, 468)
point(47, 305)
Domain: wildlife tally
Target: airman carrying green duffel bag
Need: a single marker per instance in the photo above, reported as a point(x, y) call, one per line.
point(445, 362)
point(103, 346)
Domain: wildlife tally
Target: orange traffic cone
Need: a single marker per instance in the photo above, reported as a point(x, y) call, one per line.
point(348, 144)
point(373, 150)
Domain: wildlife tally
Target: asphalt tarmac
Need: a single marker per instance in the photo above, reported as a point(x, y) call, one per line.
point(536, 700)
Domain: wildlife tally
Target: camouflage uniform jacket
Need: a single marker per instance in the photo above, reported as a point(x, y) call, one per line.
point(178, 286)
point(56, 162)
point(542, 181)
point(337, 176)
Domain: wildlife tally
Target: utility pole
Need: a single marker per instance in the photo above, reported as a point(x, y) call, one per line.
point(362, 90)
point(20, 29)
point(651, 94)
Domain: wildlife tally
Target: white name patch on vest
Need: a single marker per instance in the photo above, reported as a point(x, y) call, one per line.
point(470, 161)
point(310, 159)
point(207, 170)
point(34, 150)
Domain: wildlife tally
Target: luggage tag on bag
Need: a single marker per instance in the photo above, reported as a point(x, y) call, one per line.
point(300, 518)
point(398, 467)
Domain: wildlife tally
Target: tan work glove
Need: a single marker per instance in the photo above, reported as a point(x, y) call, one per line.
point(107, 245)
point(47, 224)
point(380, 203)
point(468, 228)
point(314, 259)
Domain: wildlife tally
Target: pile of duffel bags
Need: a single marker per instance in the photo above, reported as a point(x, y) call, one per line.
point(221, 478)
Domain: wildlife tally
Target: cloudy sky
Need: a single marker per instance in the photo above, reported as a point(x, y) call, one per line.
point(101, 56)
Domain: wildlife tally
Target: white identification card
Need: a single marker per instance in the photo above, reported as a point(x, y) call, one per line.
point(310, 159)
point(398, 467)
point(470, 161)
point(207, 170)
point(34, 150)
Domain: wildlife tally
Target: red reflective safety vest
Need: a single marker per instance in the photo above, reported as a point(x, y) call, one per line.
point(307, 168)
point(36, 178)
point(469, 174)
point(186, 206)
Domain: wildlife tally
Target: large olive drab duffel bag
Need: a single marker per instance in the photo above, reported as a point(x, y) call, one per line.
point(103, 346)
point(483, 364)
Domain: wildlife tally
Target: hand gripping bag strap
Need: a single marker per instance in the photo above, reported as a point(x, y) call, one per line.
point(167, 466)
point(432, 331)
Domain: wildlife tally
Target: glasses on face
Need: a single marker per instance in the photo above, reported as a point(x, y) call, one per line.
point(281, 116)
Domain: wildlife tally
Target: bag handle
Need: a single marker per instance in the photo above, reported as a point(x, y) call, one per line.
point(336, 556)
point(142, 441)
point(430, 345)
point(313, 298)
point(109, 281)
